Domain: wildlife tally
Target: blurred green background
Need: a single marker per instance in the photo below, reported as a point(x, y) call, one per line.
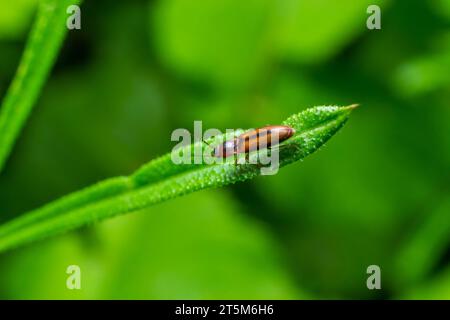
point(377, 193)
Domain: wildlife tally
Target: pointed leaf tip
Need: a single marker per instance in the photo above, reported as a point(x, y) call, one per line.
point(352, 106)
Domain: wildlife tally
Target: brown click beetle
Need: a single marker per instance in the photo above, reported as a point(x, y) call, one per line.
point(252, 140)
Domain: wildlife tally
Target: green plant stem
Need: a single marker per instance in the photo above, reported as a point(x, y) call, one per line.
point(161, 180)
point(38, 58)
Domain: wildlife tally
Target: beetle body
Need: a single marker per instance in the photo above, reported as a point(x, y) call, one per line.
point(253, 140)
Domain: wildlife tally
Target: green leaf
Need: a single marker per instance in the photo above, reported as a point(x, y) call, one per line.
point(42, 47)
point(15, 20)
point(335, 24)
point(161, 180)
point(424, 248)
point(221, 244)
point(437, 288)
point(232, 54)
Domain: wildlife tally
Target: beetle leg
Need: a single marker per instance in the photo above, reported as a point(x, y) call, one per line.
point(236, 159)
point(278, 147)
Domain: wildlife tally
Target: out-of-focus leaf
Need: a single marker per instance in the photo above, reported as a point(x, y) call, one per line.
point(424, 75)
point(424, 248)
point(437, 288)
point(208, 250)
point(15, 17)
point(224, 42)
point(441, 7)
point(45, 39)
point(311, 31)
